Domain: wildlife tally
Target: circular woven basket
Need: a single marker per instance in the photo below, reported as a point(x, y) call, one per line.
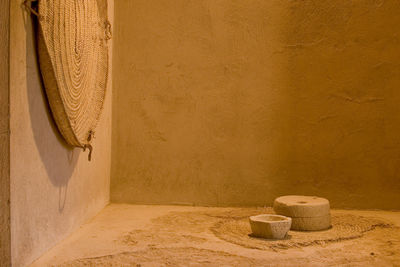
point(73, 57)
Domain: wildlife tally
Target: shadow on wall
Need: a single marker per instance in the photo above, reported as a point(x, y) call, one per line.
point(58, 158)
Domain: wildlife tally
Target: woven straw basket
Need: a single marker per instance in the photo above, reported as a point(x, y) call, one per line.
point(73, 57)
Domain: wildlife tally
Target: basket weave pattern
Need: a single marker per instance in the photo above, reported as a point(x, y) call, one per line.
point(73, 57)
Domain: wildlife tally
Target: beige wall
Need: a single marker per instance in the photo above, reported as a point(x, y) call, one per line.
point(5, 255)
point(237, 102)
point(54, 189)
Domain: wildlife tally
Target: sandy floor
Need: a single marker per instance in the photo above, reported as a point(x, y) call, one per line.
point(131, 235)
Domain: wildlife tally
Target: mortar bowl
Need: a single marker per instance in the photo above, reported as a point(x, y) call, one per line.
point(270, 226)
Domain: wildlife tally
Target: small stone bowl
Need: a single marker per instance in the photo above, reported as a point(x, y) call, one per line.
point(270, 226)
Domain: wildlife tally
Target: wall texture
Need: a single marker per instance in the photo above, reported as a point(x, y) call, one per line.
point(54, 188)
point(237, 102)
point(5, 247)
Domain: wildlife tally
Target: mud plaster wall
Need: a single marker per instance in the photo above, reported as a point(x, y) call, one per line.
point(237, 102)
point(5, 255)
point(53, 189)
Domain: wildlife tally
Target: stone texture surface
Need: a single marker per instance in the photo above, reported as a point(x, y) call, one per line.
point(5, 243)
point(238, 102)
point(54, 189)
point(311, 223)
point(301, 206)
point(308, 213)
point(270, 226)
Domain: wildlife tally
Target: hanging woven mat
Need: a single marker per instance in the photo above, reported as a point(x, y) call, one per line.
point(73, 57)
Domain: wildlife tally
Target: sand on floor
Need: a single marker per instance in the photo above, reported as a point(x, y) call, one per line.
point(138, 235)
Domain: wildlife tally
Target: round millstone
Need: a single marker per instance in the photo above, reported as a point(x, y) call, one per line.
point(301, 206)
point(308, 213)
point(311, 223)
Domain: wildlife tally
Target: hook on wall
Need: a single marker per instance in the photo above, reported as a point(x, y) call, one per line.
point(28, 7)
